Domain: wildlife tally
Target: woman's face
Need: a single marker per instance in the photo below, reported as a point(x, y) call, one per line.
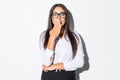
point(58, 14)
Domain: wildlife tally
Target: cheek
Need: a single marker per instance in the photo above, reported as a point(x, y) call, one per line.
point(63, 21)
point(54, 21)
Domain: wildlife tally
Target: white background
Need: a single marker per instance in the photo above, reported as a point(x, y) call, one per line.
point(22, 21)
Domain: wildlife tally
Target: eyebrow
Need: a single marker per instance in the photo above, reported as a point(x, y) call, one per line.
point(58, 12)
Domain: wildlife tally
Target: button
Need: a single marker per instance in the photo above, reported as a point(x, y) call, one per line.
point(59, 70)
point(56, 70)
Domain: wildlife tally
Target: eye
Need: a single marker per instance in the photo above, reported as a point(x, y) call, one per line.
point(54, 14)
point(62, 13)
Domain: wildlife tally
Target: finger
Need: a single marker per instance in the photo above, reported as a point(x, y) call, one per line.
point(44, 68)
point(59, 23)
point(43, 65)
point(49, 68)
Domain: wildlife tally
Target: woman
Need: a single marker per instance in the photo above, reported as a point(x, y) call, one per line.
point(61, 48)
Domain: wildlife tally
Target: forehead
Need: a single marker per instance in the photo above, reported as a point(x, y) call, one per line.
point(58, 9)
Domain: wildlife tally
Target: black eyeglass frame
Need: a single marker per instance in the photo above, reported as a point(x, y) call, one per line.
point(61, 14)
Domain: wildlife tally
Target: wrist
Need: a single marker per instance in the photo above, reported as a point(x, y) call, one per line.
point(51, 43)
point(59, 66)
point(52, 38)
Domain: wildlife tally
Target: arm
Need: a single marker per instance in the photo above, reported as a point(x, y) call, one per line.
point(57, 66)
point(46, 53)
point(77, 62)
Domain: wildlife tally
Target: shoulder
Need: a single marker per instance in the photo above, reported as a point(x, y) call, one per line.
point(77, 36)
point(76, 33)
point(42, 35)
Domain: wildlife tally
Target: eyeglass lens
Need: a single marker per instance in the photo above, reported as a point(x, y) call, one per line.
point(55, 14)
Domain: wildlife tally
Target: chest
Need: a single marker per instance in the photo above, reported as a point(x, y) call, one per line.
point(63, 47)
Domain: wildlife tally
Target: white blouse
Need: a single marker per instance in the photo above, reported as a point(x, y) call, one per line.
point(63, 53)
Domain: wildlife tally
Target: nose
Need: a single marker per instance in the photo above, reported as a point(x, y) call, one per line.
point(59, 16)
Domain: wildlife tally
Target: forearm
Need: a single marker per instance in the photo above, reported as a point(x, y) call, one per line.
point(51, 43)
point(59, 66)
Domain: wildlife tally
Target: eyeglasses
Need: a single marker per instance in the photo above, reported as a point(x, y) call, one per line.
point(61, 14)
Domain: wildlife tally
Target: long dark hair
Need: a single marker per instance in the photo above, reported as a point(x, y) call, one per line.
point(71, 35)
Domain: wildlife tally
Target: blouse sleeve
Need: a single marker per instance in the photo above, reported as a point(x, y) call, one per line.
point(46, 53)
point(77, 61)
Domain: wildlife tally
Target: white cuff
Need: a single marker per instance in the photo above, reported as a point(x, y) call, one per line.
point(49, 52)
point(67, 66)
